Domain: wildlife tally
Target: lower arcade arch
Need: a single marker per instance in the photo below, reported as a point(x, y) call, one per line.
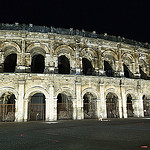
point(7, 107)
point(64, 107)
point(36, 107)
point(146, 106)
point(112, 105)
point(89, 107)
point(129, 106)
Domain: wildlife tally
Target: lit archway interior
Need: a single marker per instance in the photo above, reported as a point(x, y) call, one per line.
point(36, 109)
point(7, 107)
point(112, 105)
point(89, 105)
point(64, 106)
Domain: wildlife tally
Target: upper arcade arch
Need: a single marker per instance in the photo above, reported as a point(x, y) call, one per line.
point(110, 53)
point(37, 48)
point(88, 52)
point(64, 49)
point(129, 57)
point(9, 48)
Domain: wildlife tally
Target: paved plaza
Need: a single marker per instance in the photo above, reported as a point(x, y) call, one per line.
point(112, 134)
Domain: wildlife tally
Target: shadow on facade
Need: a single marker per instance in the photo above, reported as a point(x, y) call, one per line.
point(108, 69)
point(87, 67)
point(127, 72)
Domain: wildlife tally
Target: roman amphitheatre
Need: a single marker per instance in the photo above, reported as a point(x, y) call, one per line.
point(49, 73)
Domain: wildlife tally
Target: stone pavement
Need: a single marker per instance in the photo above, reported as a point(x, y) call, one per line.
point(112, 134)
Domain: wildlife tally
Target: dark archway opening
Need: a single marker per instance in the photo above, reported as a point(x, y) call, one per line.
point(112, 105)
point(37, 64)
point(87, 67)
point(127, 72)
point(63, 65)
point(10, 63)
point(143, 74)
point(64, 107)
point(36, 110)
point(89, 106)
point(129, 106)
point(108, 69)
point(7, 107)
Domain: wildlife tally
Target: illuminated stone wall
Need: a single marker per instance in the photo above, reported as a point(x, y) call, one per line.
point(115, 67)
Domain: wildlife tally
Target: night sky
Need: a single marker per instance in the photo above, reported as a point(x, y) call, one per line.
point(126, 18)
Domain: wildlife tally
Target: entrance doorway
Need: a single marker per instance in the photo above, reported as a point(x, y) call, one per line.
point(7, 107)
point(129, 106)
point(36, 109)
point(112, 105)
point(64, 107)
point(89, 106)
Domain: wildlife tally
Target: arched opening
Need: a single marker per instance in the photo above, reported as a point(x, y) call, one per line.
point(38, 64)
point(36, 107)
point(127, 72)
point(146, 106)
point(143, 74)
point(63, 65)
point(87, 67)
point(112, 105)
point(64, 107)
point(129, 106)
point(10, 63)
point(89, 106)
point(108, 69)
point(7, 107)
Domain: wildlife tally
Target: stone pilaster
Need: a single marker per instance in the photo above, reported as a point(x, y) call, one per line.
point(20, 104)
point(55, 108)
point(98, 108)
point(120, 108)
point(135, 104)
point(103, 102)
point(21, 59)
point(74, 116)
point(26, 103)
point(80, 114)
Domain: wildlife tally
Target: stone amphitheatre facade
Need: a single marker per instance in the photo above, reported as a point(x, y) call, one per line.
point(53, 73)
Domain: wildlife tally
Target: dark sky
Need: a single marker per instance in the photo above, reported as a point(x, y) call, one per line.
point(127, 18)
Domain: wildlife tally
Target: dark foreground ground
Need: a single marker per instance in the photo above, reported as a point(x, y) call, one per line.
point(116, 134)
